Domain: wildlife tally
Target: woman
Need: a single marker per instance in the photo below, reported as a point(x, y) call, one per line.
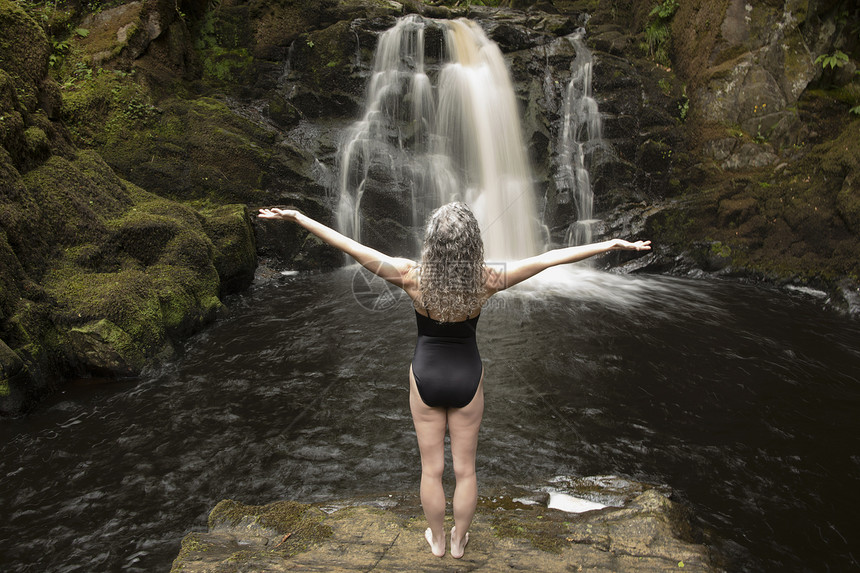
point(448, 288)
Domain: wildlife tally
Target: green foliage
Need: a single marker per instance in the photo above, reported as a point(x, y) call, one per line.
point(835, 60)
point(855, 110)
point(94, 6)
point(61, 48)
point(684, 108)
point(664, 10)
point(759, 137)
point(658, 32)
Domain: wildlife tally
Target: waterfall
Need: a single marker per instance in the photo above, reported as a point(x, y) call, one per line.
point(580, 137)
point(441, 127)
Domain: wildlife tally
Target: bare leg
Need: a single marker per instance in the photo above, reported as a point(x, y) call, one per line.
point(430, 429)
point(463, 425)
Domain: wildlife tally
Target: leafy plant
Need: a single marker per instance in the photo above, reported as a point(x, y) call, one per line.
point(684, 108)
point(835, 60)
point(664, 10)
point(855, 110)
point(657, 31)
point(60, 49)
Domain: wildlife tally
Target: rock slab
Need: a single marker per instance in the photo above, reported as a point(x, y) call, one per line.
point(651, 533)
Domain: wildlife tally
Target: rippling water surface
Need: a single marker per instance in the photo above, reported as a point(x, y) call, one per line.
point(743, 400)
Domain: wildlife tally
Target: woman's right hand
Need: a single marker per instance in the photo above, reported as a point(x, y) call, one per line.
point(275, 213)
point(622, 245)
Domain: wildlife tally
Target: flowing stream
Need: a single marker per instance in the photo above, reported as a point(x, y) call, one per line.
point(742, 399)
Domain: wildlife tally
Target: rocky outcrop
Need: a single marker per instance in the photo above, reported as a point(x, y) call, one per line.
point(650, 533)
point(99, 276)
point(769, 178)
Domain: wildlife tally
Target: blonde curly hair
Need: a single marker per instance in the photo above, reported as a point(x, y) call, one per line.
point(451, 274)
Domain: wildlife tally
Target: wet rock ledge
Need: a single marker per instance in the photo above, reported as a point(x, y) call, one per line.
point(649, 533)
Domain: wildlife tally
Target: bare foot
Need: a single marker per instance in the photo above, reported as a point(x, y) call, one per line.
point(438, 549)
point(458, 548)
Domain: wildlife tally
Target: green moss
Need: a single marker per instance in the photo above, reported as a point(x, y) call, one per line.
point(222, 43)
point(114, 340)
point(235, 257)
point(102, 105)
point(721, 250)
point(72, 206)
point(23, 51)
point(544, 529)
point(192, 149)
point(304, 523)
point(228, 65)
point(36, 141)
point(191, 543)
point(145, 265)
point(127, 298)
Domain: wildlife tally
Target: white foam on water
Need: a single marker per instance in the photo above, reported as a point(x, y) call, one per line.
point(571, 504)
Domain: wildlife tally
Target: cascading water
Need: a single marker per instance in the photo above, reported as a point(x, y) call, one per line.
point(458, 140)
point(580, 137)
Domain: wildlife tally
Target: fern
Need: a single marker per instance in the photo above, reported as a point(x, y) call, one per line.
point(657, 32)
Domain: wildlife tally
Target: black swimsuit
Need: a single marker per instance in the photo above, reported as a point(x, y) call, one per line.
point(446, 365)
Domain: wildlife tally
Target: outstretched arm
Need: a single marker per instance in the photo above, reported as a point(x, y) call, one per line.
point(394, 270)
point(518, 271)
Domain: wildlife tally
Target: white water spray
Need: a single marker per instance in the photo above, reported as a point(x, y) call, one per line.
point(459, 139)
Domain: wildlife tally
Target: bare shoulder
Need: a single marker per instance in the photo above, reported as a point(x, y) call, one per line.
point(409, 275)
point(494, 279)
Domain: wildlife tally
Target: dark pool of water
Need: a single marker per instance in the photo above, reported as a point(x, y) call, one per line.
point(743, 400)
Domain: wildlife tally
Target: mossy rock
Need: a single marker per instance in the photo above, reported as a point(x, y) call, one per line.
point(109, 31)
point(154, 276)
point(10, 365)
point(24, 50)
point(102, 347)
point(184, 149)
point(303, 522)
point(111, 275)
point(235, 255)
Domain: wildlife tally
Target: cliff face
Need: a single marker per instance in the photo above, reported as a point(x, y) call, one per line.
point(127, 134)
point(773, 108)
